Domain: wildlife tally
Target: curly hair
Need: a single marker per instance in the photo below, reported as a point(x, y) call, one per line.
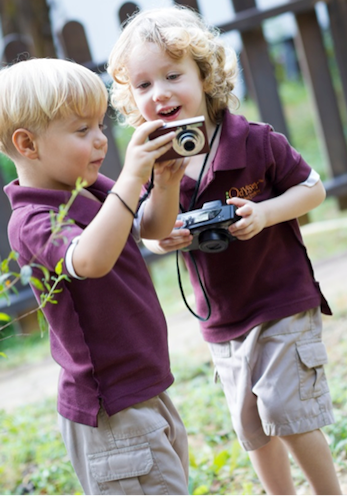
point(180, 32)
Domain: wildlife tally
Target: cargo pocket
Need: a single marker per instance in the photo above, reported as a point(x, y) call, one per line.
point(219, 352)
point(311, 360)
point(124, 465)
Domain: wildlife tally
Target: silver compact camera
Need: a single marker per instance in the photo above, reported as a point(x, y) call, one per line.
point(191, 138)
point(209, 226)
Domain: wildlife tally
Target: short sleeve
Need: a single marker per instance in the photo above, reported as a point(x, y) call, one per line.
point(288, 166)
point(68, 258)
point(312, 179)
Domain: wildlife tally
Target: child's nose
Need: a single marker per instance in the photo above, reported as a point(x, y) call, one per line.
point(161, 92)
point(101, 139)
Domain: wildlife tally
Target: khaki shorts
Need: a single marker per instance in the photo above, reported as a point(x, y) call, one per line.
point(140, 450)
point(273, 379)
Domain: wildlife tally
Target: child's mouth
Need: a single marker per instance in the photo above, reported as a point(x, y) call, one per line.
point(169, 113)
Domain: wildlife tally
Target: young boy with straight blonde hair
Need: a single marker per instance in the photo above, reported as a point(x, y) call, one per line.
point(107, 331)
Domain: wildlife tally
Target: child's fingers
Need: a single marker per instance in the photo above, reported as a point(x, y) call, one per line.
point(175, 243)
point(175, 165)
point(141, 133)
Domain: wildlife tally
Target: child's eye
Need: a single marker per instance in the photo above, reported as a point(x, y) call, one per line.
point(173, 76)
point(102, 126)
point(83, 129)
point(143, 86)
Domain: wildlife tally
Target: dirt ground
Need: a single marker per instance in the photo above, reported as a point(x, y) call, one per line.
point(29, 384)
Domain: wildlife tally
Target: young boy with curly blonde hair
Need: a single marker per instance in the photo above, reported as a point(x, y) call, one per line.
point(265, 330)
point(107, 331)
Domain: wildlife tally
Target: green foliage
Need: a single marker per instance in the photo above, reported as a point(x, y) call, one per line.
point(33, 458)
point(47, 285)
point(20, 349)
point(7, 169)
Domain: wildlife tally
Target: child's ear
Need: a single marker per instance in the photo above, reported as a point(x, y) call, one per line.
point(25, 144)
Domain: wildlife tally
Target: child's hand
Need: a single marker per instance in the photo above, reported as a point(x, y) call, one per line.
point(178, 239)
point(253, 219)
point(170, 172)
point(142, 153)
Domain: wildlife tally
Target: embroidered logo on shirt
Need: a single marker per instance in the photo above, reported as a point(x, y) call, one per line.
point(246, 192)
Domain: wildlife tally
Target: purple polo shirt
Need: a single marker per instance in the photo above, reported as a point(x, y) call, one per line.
point(269, 276)
point(109, 334)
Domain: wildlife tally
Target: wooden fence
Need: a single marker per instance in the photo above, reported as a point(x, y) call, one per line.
point(260, 77)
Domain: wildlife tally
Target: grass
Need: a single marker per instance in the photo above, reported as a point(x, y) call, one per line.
point(33, 459)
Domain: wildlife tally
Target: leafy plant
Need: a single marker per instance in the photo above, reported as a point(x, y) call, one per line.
point(48, 285)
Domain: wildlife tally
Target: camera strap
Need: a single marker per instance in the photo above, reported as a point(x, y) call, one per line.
point(191, 206)
point(149, 188)
point(198, 182)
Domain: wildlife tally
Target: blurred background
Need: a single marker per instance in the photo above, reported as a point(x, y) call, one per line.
point(293, 74)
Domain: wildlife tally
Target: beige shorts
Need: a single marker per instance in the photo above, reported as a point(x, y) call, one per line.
point(140, 450)
point(273, 379)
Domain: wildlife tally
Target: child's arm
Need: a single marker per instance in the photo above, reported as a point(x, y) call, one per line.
point(104, 238)
point(177, 240)
point(295, 202)
point(163, 204)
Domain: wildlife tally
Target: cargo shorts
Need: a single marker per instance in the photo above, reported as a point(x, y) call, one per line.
point(140, 450)
point(273, 379)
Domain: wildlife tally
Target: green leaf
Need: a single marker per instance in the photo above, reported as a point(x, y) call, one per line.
point(59, 267)
point(13, 255)
point(37, 283)
point(220, 460)
point(41, 319)
point(25, 274)
point(192, 460)
point(3, 354)
point(45, 271)
point(60, 290)
point(4, 317)
point(203, 489)
point(4, 266)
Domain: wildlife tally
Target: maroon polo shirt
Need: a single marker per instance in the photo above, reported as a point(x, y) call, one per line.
point(109, 334)
point(269, 276)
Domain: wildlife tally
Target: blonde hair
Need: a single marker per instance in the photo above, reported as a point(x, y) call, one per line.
point(35, 91)
point(180, 32)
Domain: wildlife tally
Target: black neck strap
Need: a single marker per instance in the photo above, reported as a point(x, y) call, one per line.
point(192, 257)
point(197, 185)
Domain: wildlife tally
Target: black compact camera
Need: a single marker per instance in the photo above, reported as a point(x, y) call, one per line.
point(191, 138)
point(209, 226)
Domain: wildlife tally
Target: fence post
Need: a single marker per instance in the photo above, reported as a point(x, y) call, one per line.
point(261, 72)
point(315, 67)
point(338, 25)
point(127, 10)
point(75, 45)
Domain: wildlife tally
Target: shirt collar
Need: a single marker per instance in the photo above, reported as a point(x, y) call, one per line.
point(80, 210)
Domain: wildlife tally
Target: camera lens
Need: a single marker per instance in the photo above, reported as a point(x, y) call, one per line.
point(189, 142)
point(213, 241)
